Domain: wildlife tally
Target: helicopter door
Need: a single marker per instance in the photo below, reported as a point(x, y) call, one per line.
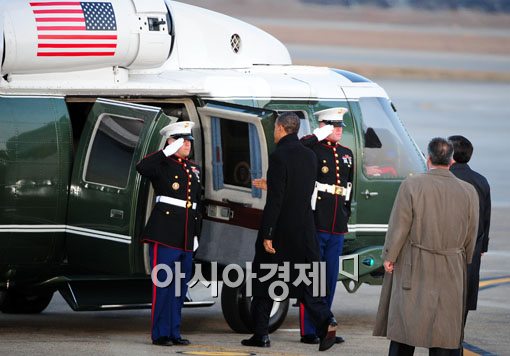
point(104, 185)
point(236, 151)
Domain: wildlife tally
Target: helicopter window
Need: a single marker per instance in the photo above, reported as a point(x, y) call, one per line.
point(389, 152)
point(111, 154)
point(236, 154)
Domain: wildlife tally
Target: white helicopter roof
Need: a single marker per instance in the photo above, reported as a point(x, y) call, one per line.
point(212, 55)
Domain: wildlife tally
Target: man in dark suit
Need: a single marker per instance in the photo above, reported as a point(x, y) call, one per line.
point(172, 227)
point(287, 232)
point(463, 149)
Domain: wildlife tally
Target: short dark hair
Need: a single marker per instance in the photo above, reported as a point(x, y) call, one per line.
point(290, 122)
point(462, 148)
point(440, 151)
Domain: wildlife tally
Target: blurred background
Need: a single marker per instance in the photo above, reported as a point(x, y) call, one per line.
point(444, 63)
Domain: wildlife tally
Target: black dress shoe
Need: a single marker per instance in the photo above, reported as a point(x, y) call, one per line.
point(328, 335)
point(310, 339)
point(180, 341)
point(257, 341)
point(162, 341)
point(339, 340)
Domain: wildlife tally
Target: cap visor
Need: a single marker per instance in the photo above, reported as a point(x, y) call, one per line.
point(186, 137)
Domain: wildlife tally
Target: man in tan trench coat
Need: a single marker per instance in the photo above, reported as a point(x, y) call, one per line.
point(430, 240)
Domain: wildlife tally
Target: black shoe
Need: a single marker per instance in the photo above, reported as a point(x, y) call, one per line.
point(162, 341)
point(310, 339)
point(257, 341)
point(180, 341)
point(328, 335)
point(339, 340)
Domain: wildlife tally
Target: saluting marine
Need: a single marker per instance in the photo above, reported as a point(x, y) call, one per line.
point(331, 201)
point(172, 227)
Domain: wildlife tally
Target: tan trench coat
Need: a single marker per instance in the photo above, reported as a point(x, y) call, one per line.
point(431, 237)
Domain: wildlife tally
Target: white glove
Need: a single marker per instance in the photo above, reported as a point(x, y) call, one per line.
point(322, 132)
point(195, 243)
point(173, 147)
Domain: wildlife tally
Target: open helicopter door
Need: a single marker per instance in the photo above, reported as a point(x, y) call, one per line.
point(102, 216)
point(236, 151)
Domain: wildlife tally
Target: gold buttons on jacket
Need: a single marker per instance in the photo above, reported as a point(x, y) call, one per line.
point(167, 212)
point(175, 186)
point(324, 169)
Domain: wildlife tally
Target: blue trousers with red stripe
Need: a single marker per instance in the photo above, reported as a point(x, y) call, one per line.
point(166, 305)
point(331, 246)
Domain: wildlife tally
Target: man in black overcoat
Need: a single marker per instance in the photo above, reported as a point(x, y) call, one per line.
point(287, 232)
point(463, 149)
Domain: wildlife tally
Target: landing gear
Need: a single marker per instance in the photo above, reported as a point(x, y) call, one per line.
point(236, 310)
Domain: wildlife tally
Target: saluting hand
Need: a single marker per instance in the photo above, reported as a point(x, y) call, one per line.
point(268, 246)
point(323, 132)
point(173, 146)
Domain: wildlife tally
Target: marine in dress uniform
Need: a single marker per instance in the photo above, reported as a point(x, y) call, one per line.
point(172, 226)
point(331, 202)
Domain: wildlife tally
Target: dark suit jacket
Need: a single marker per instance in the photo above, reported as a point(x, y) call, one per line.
point(287, 219)
point(464, 172)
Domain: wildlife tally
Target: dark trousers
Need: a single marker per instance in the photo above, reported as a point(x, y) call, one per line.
point(399, 349)
point(316, 307)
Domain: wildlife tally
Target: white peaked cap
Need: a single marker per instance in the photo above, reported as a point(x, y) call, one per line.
point(178, 129)
point(333, 114)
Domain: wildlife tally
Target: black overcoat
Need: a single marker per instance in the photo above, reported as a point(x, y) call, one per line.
point(178, 178)
point(464, 172)
point(287, 219)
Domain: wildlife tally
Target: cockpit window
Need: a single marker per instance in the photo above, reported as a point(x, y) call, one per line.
point(388, 151)
point(111, 155)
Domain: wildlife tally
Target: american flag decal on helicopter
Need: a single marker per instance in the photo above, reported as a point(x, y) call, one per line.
point(75, 29)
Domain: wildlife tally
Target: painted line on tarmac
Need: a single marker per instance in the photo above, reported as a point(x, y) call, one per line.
point(471, 350)
point(493, 282)
point(216, 353)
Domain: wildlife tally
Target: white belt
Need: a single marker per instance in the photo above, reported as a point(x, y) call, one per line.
point(332, 189)
point(176, 202)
